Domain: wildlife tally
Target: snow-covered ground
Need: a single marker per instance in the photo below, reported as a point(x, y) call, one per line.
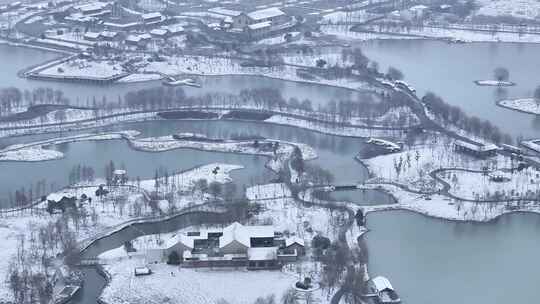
point(476, 185)
point(172, 284)
point(527, 9)
point(122, 204)
point(440, 206)
point(327, 129)
point(533, 144)
point(494, 83)
point(82, 68)
point(40, 151)
point(268, 191)
point(528, 105)
point(413, 166)
point(428, 32)
point(139, 77)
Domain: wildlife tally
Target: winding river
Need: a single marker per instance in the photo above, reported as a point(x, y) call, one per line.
point(427, 260)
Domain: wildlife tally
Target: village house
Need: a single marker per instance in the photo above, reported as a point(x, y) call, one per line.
point(381, 288)
point(476, 150)
point(255, 24)
point(108, 36)
point(91, 36)
point(94, 9)
point(174, 29)
point(254, 247)
point(152, 18)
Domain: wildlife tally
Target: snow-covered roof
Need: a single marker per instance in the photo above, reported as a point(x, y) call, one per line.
point(243, 234)
point(158, 32)
point(151, 15)
point(174, 28)
point(260, 25)
point(92, 7)
point(265, 13)
point(262, 253)
point(133, 38)
point(142, 270)
point(381, 283)
point(109, 34)
point(476, 147)
point(119, 172)
point(121, 25)
point(419, 7)
point(145, 36)
point(187, 240)
point(224, 12)
point(293, 240)
point(91, 35)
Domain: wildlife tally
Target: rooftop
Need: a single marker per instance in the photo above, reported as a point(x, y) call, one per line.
point(243, 234)
point(381, 283)
point(224, 12)
point(92, 6)
point(151, 15)
point(266, 13)
point(476, 146)
point(260, 25)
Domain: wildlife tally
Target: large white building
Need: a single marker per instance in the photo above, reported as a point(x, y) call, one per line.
point(235, 245)
point(256, 23)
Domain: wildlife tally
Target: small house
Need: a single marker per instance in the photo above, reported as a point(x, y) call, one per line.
point(91, 36)
point(152, 18)
point(175, 29)
point(159, 33)
point(296, 244)
point(383, 290)
point(142, 271)
point(108, 35)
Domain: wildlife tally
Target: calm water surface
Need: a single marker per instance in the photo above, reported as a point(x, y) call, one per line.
point(434, 261)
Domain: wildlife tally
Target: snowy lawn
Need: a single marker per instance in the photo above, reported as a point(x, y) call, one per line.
point(443, 207)
point(472, 185)
point(84, 69)
point(528, 105)
point(171, 284)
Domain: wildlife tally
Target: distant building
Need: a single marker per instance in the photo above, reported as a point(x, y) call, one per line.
point(257, 23)
point(94, 9)
point(152, 18)
point(91, 36)
point(476, 150)
point(174, 29)
point(159, 33)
